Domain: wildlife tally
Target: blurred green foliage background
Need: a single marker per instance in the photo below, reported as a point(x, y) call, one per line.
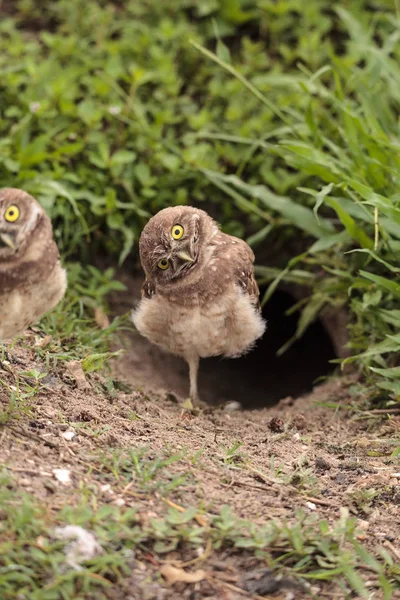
point(279, 117)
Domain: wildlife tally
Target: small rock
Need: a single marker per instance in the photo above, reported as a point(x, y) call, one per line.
point(300, 422)
point(119, 502)
point(340, 478)
point(62, 475)
point(311, 505)
point(106, 488)
point(232, 406)
point(321, 464)
point(36, 425)
point(276, 424)
point(364, 525)
point(172, 397)
point(24, 481)
point(68, 435)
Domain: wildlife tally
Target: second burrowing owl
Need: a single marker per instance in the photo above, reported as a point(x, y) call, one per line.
point(32, 280)
point(200, 297)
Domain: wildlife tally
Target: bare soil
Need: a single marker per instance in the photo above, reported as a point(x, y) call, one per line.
point(300, 453)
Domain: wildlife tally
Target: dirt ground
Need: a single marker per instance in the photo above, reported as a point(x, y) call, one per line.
point(306, 453)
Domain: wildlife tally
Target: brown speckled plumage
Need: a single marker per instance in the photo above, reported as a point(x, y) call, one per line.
point(32, 280)
point(206, 302)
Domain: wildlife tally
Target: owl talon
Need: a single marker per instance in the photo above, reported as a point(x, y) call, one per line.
point(195, 406)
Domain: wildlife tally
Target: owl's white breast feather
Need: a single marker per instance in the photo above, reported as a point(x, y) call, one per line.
point(228, 326)
point(25, 305)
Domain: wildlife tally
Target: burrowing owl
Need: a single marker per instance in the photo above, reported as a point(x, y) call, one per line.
point(200, 297)
point(32, 280)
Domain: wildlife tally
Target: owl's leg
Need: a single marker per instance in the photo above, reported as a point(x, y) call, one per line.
point(193, 363)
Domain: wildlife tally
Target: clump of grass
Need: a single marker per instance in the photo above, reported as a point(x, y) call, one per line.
point(71, 331)
point(32, 561)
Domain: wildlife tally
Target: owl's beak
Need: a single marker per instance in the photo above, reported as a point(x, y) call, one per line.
point(7, 241)
point(185, 256)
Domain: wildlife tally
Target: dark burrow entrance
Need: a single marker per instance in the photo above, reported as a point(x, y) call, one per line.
point(255, 380)
point(261, 378)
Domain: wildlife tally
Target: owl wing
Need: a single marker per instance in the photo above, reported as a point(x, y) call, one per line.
point(244, 271)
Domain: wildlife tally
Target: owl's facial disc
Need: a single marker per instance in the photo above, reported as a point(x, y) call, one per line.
point(18, 218)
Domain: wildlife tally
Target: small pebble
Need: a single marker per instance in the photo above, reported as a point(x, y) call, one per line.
point(25, 481)
point(300, 422)
point(68, 435)
point(119, 502)
point(62, 475)
point(322, 464)
point(232, 406)
point(106, 488)
point(276, 424)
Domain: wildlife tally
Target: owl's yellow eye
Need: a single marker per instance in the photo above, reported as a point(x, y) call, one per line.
point(12, 213)
point(177, 232)
point(163, 264)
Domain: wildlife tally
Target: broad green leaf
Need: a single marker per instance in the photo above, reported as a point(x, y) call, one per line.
point(123, 157)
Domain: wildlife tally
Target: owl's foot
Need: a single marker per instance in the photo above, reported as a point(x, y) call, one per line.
point(195, 406)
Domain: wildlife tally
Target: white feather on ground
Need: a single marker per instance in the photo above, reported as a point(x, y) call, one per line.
point(83, 547)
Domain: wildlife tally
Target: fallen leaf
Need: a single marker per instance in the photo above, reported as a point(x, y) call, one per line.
point(101, 318)
point(41, 542)
point(174, 574)
point(74, 368)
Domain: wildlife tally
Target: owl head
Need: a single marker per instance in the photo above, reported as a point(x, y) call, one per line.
point(20, 216)
point(173, 241)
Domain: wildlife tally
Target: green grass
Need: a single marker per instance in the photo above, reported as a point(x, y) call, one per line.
point(71, 331)
point(32, 560)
